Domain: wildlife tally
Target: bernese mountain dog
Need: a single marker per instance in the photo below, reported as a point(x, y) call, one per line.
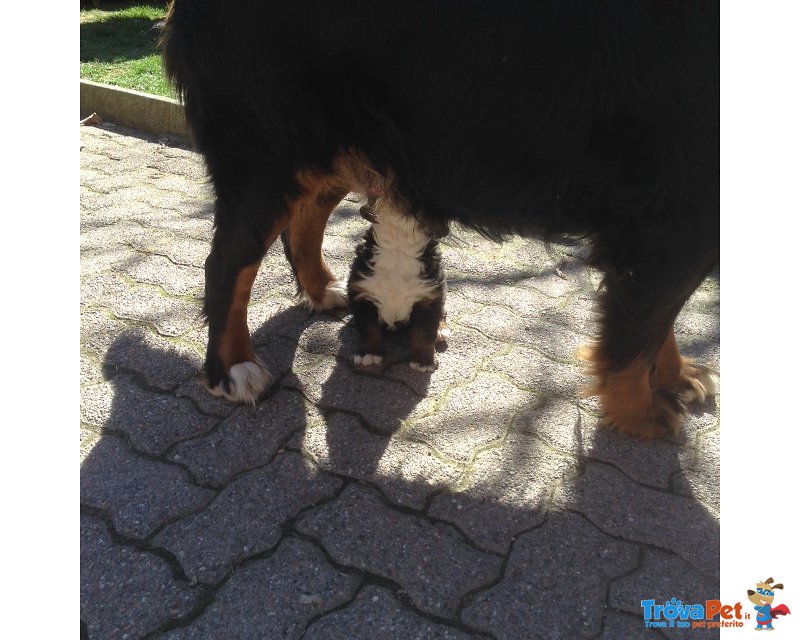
point(397, 280)
point(556, 119)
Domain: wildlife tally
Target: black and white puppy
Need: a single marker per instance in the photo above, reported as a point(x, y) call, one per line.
point(397, 279)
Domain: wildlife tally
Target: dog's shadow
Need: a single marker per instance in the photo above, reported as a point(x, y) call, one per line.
point(189, 484)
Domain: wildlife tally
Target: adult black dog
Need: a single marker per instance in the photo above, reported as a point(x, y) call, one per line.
point(549, 118)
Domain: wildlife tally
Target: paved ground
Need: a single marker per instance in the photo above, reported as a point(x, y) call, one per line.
point(480, 501)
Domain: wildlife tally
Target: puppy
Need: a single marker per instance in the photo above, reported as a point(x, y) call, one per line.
point(397, 279)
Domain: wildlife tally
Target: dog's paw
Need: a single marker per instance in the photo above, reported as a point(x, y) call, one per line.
point(424, 368)
point(245, 383)
point(443, 333)
point(367, 360)
point(700, 382)
point(335, 297)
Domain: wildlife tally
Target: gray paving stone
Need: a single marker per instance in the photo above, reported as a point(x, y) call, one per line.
point(126, 593)
point(471, 416)
point(530, 369)
point(621, 627)
point(120, 345)
point(137, 494)
point(406, 472)
point(248, 438)
point(376, 615)
point(335, 384)
point(430, 561)
point(175, 279)
point(247, 518)
point(506, 326)
point(170, 316)
point(274, 597)
point(700, 477)
point(565, 560)
point(507, 490)
point(467, 351)
point(662, 577)
point(623, 508)
point(152, 421)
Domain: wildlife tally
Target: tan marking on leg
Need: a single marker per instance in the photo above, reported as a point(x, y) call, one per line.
point(629, 401)
point(235, 345)
point(667, 367)
point(309, 216)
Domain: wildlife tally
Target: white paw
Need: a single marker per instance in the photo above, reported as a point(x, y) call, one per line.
point(425, 368)
point(335, 297)
point(443, 333)
point(248, 380)
point(705, 384)
point(367, 360)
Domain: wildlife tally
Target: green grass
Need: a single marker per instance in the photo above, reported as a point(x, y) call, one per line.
point(119, 46)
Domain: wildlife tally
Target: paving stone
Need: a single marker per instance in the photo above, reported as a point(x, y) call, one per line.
point(647, 515)
point(471, 416)
point(507, 491)
point(700, 477)
point(334, 384)
point(530, 369)
point(565, 560)
point(506, 326)
point(175, 279)
point(406, 472)
point(248, 438)
point(126, 593)
point(275, 597)
point(662, 577)
point(246, 518)
point(376, 614)
point(90, 436)
point(170, 316)
point(621, 627)
point(152, 421)
point(430, 561)
point(137, 494)
point(122, 346)
point(467, 351)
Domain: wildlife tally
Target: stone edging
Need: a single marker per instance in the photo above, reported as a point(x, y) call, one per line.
point(134, 109)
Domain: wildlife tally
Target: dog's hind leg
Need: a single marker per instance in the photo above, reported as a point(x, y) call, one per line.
point(302, 243)
point(643, 382)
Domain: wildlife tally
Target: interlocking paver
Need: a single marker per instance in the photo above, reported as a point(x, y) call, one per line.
point(407, 472)
point(248, 438)
point(662, 577)
point(376, 614)
point(127, 593)
point(275, 597)
point(246, 518)
point(507, 491)
point(566, 560)
point(635, 512)
point(429, 560)
point(152, 421)
point(138, 494)
point(479, 501)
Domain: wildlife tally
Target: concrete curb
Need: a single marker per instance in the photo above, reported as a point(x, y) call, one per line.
point(134, 109)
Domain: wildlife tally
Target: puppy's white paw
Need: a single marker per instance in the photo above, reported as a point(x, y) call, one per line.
point(367, 360)
point(248, 380)
point(425, 368)
point(443, 333)
point(335, 297)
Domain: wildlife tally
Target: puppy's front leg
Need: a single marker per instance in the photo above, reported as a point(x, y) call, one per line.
point(371, 348)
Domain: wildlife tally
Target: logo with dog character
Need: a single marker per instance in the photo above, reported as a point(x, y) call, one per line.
point(763, 597)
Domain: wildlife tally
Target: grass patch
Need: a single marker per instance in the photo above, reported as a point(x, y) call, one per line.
point(119, 46)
